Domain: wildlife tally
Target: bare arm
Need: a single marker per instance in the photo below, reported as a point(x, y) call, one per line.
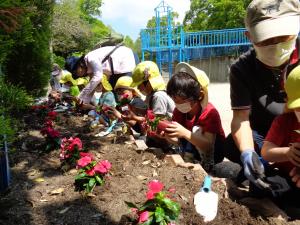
point(273, 153)
point(241, 130)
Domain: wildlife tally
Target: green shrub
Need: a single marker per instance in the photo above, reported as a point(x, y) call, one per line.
point(58, 60)
point(7, 128)
point(13, 99)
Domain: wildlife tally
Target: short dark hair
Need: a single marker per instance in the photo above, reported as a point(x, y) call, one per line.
point(184, 85)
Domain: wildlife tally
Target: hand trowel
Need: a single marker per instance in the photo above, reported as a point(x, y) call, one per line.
point(206, 201)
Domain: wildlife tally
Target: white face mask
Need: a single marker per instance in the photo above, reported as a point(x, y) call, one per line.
point(297, 113)
point(184, 107)
point(275, 55)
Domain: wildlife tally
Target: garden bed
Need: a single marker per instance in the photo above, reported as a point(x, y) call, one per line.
point(42, 192)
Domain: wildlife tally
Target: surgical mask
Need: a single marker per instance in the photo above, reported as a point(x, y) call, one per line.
point(275, 55)
point(297, 113)
point(184, 107)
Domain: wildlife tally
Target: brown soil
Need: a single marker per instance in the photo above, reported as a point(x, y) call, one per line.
point(30, 202)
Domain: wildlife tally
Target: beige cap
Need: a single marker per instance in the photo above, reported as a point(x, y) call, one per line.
point(272, 18)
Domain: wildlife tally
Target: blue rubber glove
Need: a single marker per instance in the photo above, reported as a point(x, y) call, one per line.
point(254, 169)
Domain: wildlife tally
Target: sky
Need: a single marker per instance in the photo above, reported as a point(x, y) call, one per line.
point(130, 16)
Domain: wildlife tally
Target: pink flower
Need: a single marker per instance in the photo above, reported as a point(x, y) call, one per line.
point(84, 161)
point(150, 115)
point(75, 142)
point(83, 154)
point(150, 195)
point(155, 186)
point(125, 96)
point(90, 172)
point(143, 217)
point(102, 167)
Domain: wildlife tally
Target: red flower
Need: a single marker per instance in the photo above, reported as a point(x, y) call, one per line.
point(83, 154)
point(50, 132)
point(52, 114)
point(49, 123)
point(150, 115)
point(125, 96)
point(84, 161)
point(102, 167)
point(90, 172)
point(154, 187)
point(75, 142)
point(143, 217)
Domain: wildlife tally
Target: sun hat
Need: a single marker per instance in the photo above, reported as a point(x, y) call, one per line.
point(125, 82)
point(67, 77)
point(292, 88)
point(148, 70)
point(106, 85)
point(272, 18)
point(197, 74)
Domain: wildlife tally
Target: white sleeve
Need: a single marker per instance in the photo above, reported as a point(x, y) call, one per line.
point(87, 93)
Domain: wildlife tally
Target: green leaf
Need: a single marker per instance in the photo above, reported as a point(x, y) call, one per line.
point(149, 204)
point(159, 214)
point(99, 180)
point(80, 176)
point(92, 183)
point(131, 205)
point(149, 221)
point(171, 205)
point(162, 222)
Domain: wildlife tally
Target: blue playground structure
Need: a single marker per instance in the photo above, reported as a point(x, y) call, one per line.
point(169, 43)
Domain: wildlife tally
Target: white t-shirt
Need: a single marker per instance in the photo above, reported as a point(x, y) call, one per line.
point(123, 62)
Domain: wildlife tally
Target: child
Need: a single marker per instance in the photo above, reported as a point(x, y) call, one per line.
point(197, 126)
point(147, 78)
point(282, 143)
point(129, 102)
point(107, 99)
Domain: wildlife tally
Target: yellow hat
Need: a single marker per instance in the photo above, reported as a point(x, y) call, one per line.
point(292, 88)
point(148, 70)
point(106, 85)
point(199, 75)
point(82, 81)
point(125, 82)
point(67, 77)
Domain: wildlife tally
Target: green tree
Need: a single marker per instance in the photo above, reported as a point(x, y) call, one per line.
point(163, 21)
point(28, 61)
point(70, 33)
point(215, 14)
point(90, 7)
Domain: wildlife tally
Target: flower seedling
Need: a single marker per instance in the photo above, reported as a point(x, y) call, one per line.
point(90, 172)
point(70, 150)
point(52, 136)
point(158, 209)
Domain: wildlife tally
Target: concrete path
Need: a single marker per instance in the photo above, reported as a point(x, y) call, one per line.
point(219, 96)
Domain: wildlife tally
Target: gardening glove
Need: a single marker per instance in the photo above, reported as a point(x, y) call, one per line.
point(254, 169)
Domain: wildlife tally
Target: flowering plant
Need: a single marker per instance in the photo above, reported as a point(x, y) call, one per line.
point(52, 115)
point(70, 150)
point(155, 123)
point(91, 172)
point(52, 136)
point(41, 110)
point(159, 208)
point(124, 100)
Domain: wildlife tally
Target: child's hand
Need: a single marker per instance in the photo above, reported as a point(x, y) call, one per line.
point(293, 154)
point(128, 116)
point(295, 175)
point(176, 130)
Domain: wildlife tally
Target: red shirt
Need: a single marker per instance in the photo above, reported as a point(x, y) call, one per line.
point(281, 133)
point(209, 120)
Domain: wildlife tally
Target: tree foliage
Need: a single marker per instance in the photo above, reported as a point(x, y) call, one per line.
point(25, 55)
point(163, 20)
point(75, 28)
point(215, 14)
